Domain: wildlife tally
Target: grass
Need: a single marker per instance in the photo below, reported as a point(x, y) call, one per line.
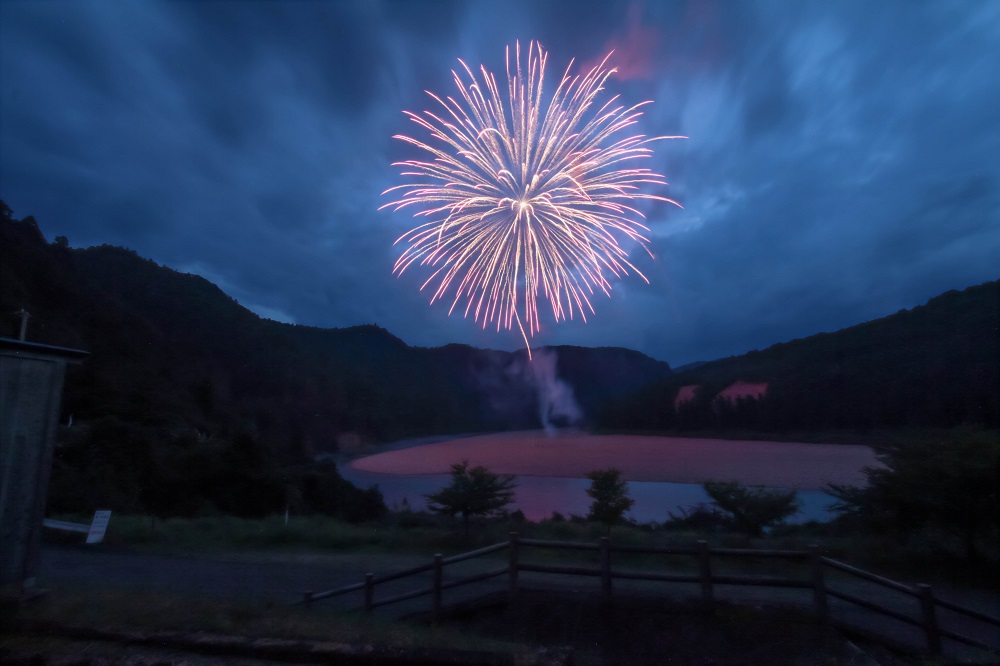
point(228, 533)
point(640, 631)
point(412, 532)
point(730, 635)
point(120, 610)
point(925, 556)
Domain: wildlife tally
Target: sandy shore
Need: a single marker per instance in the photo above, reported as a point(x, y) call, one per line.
point(670, 459)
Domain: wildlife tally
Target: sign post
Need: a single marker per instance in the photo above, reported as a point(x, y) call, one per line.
point(98, 527)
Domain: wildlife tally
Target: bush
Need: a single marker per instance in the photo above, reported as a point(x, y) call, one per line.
point(610, 494)
point(700, 517)
point(751, 509)
point(947, 483)
point(473, 492)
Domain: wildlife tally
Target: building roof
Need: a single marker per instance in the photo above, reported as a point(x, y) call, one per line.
point(37, 349)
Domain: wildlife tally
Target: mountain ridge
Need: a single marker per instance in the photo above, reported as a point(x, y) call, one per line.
point(180, 313)
point(110, 299)
point(933, 365)
point(190, 403)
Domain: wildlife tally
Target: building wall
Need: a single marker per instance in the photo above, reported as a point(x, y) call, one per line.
point(30, 392)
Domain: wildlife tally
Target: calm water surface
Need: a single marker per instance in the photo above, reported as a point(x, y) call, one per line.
point(539, 496)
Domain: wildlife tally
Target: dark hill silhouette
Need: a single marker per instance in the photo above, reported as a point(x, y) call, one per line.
point(936, 365)
point(190, 403)
point(169, 347)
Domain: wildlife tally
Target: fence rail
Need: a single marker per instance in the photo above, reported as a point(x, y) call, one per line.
point(816, 581)
point(874, 578)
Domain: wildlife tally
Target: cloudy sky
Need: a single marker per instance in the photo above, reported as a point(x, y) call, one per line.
point(843, 159)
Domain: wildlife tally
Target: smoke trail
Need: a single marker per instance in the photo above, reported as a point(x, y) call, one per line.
point(517, 393)
point(556, 404)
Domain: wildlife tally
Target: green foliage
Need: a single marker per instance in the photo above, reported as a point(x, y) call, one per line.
point(699, 518)
point(949, 484)
point(172, 349)
point(473, 492)
point(323, 490)
point(129, 609)
point(610, 494)
point(750, 509)
point(924, 556)
point(934, 366)
point(127, 467)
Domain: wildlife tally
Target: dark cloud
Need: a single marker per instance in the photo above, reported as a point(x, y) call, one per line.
point(842, 160)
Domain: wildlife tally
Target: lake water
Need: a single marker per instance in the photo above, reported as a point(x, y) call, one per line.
point(539, 496)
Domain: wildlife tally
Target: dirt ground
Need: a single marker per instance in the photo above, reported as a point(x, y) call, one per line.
point(663, 459)
point(647, 632)
point(752, 625)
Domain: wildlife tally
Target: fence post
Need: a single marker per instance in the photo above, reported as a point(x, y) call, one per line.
point(604, 558)
point(705, 567)
point(369, 592)
point(512, 566)
point(930, 618)
point(819, 584)
point(438, 576)
point(307, 597)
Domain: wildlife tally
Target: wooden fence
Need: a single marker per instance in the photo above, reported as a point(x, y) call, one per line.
point(818, 581)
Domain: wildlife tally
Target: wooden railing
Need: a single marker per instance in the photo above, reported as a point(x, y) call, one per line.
point(817, 581)
point(438, 585)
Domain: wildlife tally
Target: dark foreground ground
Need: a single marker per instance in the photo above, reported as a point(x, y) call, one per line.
point(646, 632)
point(565, 629)
point(638, 627)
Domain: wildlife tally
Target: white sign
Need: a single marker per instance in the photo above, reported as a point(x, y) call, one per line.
point(65, 525)
point(98, 527)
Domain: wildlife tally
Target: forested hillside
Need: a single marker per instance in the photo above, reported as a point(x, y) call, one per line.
point(936, 365)
point(184, 386)
point(191, 403)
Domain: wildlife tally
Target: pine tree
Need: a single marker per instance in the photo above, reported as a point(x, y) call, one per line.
point(610, 494)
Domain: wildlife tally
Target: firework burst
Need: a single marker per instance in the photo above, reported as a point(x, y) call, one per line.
point(524, 198)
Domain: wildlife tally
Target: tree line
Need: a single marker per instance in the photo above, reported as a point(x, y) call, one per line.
point(934, 366)
point(923, 486)
point(189, 403)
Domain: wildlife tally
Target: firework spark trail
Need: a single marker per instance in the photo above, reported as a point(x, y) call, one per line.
point(523, 199)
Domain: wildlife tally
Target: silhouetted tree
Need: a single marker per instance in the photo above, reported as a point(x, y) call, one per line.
point(949, 483)
point(474, 491)
point(610, 494)
point(752, 508)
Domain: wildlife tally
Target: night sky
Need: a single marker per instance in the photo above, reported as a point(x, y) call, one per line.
point(843, 160)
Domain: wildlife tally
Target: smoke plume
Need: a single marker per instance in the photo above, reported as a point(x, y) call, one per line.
point(556, 405)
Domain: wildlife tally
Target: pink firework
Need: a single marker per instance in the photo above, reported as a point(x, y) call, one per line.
point(524, 199)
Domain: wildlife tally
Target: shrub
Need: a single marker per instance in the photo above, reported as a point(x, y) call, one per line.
point(947, 483)
point(751, 509)
point(610, 494)
point(473, 492)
